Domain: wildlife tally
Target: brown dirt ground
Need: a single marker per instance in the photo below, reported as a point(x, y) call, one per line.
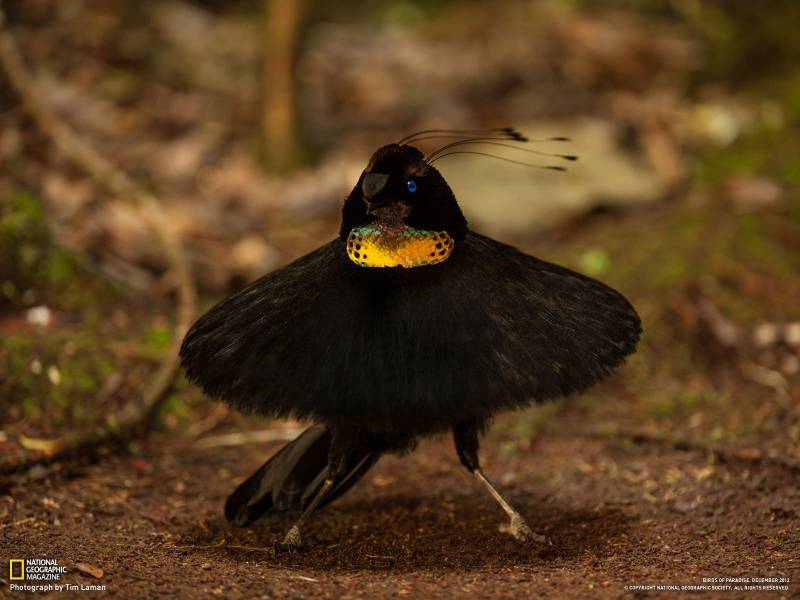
point(418, 526)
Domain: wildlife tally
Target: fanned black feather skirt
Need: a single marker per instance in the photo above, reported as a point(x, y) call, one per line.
point(410, 350)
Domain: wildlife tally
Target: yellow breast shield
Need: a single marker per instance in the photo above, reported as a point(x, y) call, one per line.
point(378, 245)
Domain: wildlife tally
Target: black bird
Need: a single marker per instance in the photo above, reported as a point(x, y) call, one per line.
point(405, 325)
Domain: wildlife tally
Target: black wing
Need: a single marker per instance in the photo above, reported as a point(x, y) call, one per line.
point(291, 478)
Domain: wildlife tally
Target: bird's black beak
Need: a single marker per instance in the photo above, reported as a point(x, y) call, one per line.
point(371, 186)
point(373, 183)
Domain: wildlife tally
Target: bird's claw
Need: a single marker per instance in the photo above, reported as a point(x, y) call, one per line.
point(518, 528)
point(291, 543)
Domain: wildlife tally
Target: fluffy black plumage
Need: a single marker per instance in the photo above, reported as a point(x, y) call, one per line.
point(395, 353)
point(409, 349)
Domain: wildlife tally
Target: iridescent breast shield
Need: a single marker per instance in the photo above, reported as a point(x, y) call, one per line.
point(387, 245)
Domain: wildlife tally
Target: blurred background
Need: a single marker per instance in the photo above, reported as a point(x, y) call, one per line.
point(251, 120)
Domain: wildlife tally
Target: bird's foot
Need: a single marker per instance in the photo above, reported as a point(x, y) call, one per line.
point(291, 543)
point(518, 528)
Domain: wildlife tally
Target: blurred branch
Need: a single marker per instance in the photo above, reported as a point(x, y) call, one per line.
point(282, 22)
point(118, 432)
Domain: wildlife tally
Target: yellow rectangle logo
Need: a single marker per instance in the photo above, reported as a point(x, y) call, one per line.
point(16, 562)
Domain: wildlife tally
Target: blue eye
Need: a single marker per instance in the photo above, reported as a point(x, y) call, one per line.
point(411, 185)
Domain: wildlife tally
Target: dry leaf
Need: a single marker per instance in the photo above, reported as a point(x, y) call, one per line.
point(383, 480)
point(92, 570)
point(47, 446)
point(50, 503)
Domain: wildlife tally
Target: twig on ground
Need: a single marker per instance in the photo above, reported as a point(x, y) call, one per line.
point(116, 433)
point(726, 332)
point(220, 544)
point(769, 378)
point(209, 423)
point(249, 548)
point(249, 437)
point(721, 454)
point(17, 523)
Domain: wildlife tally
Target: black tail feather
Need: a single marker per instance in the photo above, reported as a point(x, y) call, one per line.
point(291, 478)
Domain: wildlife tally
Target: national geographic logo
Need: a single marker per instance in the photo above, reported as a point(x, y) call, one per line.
point(16, 569)
point(35, 569)
point(43, 575)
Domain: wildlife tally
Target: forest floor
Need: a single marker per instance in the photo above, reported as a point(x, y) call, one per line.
point(684, 465)
point(620, 512)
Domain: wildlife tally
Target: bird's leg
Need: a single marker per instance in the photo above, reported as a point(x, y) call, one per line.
point(466, 436)
point(343, 441)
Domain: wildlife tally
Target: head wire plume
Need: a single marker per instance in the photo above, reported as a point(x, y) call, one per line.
point(503, 133)
point(453, 148)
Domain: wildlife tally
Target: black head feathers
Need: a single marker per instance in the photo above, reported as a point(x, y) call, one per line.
point(398, 173)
